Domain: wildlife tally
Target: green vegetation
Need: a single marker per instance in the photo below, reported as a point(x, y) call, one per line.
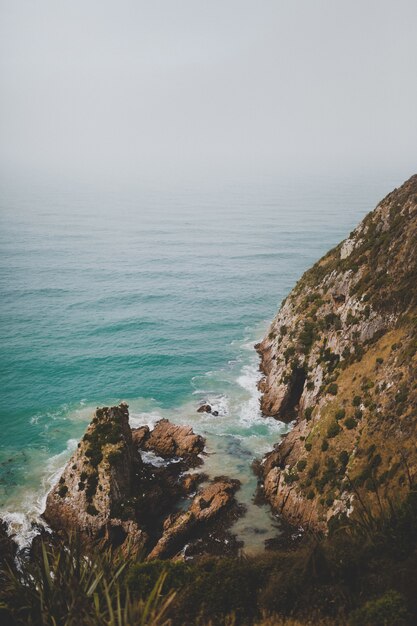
point(333, 389)
point(333, 430)
point(307, 336)
point(62, 491)
point(340, 414)
point(60, 587)
point(350, 423)
point(391, 608)
point(91, 509)
point(344, 458)
point(308, 413)
point(301, 465)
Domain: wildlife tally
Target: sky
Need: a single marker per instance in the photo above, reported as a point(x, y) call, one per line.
point(122, 88)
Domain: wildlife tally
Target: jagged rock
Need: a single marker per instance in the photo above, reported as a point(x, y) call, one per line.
point(168, 440)
point(98, 479)
point(108, 493)
point(207, 507)
point(140, 435)
point(190, 482)
point(340, 359)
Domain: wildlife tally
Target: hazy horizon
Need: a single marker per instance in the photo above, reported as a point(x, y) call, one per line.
point(105, 91)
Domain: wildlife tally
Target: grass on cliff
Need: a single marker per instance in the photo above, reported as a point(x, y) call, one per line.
point(356, 576)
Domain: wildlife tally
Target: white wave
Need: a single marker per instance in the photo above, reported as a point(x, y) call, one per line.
point(23, 522)
point(157, 461)
point(144, 419)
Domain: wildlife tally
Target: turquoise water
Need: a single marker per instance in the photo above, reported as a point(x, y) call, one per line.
point(154, 297)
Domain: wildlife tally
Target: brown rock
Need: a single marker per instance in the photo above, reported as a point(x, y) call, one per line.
point(190, 482)
point(204, 408)
point(140, 435)
point(168, 440)
point(98, 479)
point(208, 505)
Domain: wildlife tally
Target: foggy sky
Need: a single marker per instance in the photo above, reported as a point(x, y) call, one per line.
point(102, 88)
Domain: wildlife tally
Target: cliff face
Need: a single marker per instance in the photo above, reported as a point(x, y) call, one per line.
point(340, 359)
point(98, 479)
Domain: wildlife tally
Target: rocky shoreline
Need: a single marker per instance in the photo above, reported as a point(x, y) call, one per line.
point(140, 489)
point(338, 362)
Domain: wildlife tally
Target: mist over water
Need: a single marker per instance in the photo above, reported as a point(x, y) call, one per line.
point(153, 296)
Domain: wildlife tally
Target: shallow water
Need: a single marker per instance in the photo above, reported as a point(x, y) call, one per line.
point(153, 297)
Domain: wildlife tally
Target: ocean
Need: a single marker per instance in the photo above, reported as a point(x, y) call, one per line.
point(154, 296)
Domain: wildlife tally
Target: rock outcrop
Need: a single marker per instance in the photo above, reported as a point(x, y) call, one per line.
point(112, 489)
point(340, 359)
point(168, 440)
point(207, 506)
point(98, 481)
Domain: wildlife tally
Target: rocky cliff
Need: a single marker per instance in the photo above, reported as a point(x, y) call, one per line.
point(98, 480)
point(340, 360)
point(131, 488)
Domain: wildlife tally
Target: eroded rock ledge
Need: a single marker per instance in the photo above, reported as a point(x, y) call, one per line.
point(339, 360)
point(128, 484)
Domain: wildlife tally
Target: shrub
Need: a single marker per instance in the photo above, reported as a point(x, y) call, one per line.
point(308, 446)
point(62, 491)
point(143, 577)
point(92, 482)
point(301, 465)
point(333, 389)
point(356, 401)
point(310, 494)
point(312, 472)
point(91, 509)
point(340, 414)
point(61, 586)
point(324, 445)
point(290, 478)
point(380, 360)
point(114, 456)
point(307, 336)
point(350, 423)
point(289, 352)
point(308, 412)
point(333, 430)
point(383, 611)
point(344, 458)
point(401, 395)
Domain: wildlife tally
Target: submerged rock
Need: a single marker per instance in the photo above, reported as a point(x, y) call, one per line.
point(204, 408)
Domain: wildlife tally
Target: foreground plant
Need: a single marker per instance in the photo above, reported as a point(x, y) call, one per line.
point(64, 587)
